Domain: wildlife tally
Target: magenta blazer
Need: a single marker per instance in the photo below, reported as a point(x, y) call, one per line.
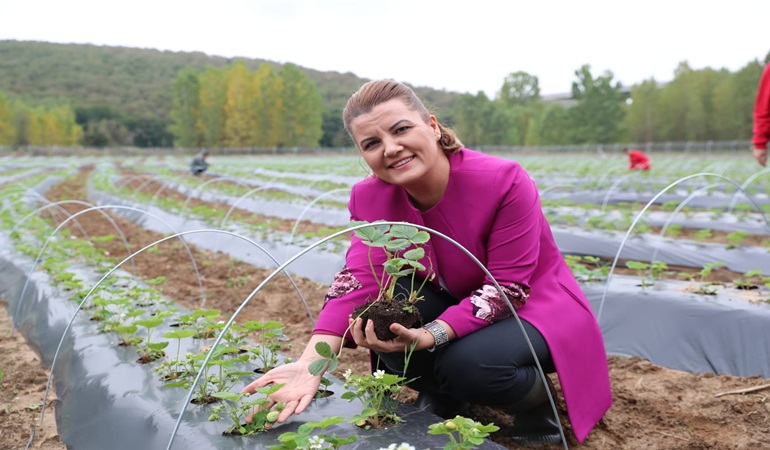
point(492, 208)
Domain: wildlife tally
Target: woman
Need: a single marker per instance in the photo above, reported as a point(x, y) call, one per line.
point(472, 350)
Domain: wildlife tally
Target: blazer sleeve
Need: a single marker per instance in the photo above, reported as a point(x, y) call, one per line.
point(512, 253)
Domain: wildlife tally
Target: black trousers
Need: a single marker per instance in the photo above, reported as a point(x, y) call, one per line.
point(492, 366)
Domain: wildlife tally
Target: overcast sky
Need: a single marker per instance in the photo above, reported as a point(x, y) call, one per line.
point(463, 46)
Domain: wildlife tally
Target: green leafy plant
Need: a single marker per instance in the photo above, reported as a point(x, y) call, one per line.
point(401, 261)
point(376, 391)
point(464, 433)
point(171, 370)
point(268, 345)
point(402, 245)
point(708, 269)
point(702, 235)
point(150, 351)
point(307, 438)
point(674, 230)
point(587, 268)
point(705, 287)
point(745, 282)
point(236, 406)
point(736, 238)
point(642, 271)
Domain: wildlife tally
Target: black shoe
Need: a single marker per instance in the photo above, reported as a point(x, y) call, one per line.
point(440, 405)
point(536, 427)
point(534, 424)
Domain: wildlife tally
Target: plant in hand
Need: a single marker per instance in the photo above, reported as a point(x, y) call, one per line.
point(403, 249)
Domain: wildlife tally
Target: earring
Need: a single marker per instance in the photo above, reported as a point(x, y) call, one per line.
point(438, 136)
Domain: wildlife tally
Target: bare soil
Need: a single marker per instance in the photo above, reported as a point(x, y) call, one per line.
point(654, 407)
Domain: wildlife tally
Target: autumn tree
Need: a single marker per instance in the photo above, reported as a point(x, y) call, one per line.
point(240, 125)
point(270, 107)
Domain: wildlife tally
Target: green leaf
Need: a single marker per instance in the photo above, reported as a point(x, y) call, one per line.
point(374, 236)
point(149, 323)
point(318, 366)
point(415, 254)
point(157, 345)
point(179, 334)
point(324, 349)
point(233, 397)
point(126, 329)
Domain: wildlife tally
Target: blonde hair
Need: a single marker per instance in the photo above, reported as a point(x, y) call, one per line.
point(376, 92)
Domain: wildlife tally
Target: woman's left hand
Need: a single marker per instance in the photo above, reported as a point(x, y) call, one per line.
point(404, 337)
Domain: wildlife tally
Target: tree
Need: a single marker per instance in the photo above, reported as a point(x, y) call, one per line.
point(185, 110)
point(270, 107)
point(734, 99)
point(552, 127)
point(7, 122)
point(240, 116)
point(520, 88)
point(472, 114)
point(599, 113)
point(303, 106)
point(211, 104)
point(642, 119)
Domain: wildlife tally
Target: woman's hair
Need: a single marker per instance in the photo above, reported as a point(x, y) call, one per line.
point(377, 92)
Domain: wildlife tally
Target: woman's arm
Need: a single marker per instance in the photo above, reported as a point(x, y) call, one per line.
point(512, 252)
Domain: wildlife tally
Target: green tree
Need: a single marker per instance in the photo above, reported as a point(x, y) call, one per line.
point(734, 99)
point(599, 113)
point(520, 88)
point(211, 117)
point(552, 126)
point(472, 114)
point(642, 119)
point(185, 110)
point(303, 106)
point(334, 134)
point(7, 122)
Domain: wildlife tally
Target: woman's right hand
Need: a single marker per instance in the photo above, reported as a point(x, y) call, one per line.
point(299, 387)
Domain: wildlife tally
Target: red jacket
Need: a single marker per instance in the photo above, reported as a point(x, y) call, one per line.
point(762, 111)
point(638, 160)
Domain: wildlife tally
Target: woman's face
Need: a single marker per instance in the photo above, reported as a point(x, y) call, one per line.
point(396, 143)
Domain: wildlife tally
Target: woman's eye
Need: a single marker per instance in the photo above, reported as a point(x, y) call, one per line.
point(370, 145)
point(400, 130)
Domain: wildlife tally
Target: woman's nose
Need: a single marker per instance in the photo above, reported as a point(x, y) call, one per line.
point(392, 146)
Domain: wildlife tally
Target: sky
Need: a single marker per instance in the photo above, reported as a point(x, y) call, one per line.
point(460, 46)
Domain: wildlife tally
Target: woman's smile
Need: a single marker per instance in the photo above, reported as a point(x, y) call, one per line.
point(401, 163)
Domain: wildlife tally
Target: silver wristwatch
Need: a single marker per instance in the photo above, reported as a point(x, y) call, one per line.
point(439, 334)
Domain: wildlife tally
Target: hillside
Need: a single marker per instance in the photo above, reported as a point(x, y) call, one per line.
point(135, 81)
